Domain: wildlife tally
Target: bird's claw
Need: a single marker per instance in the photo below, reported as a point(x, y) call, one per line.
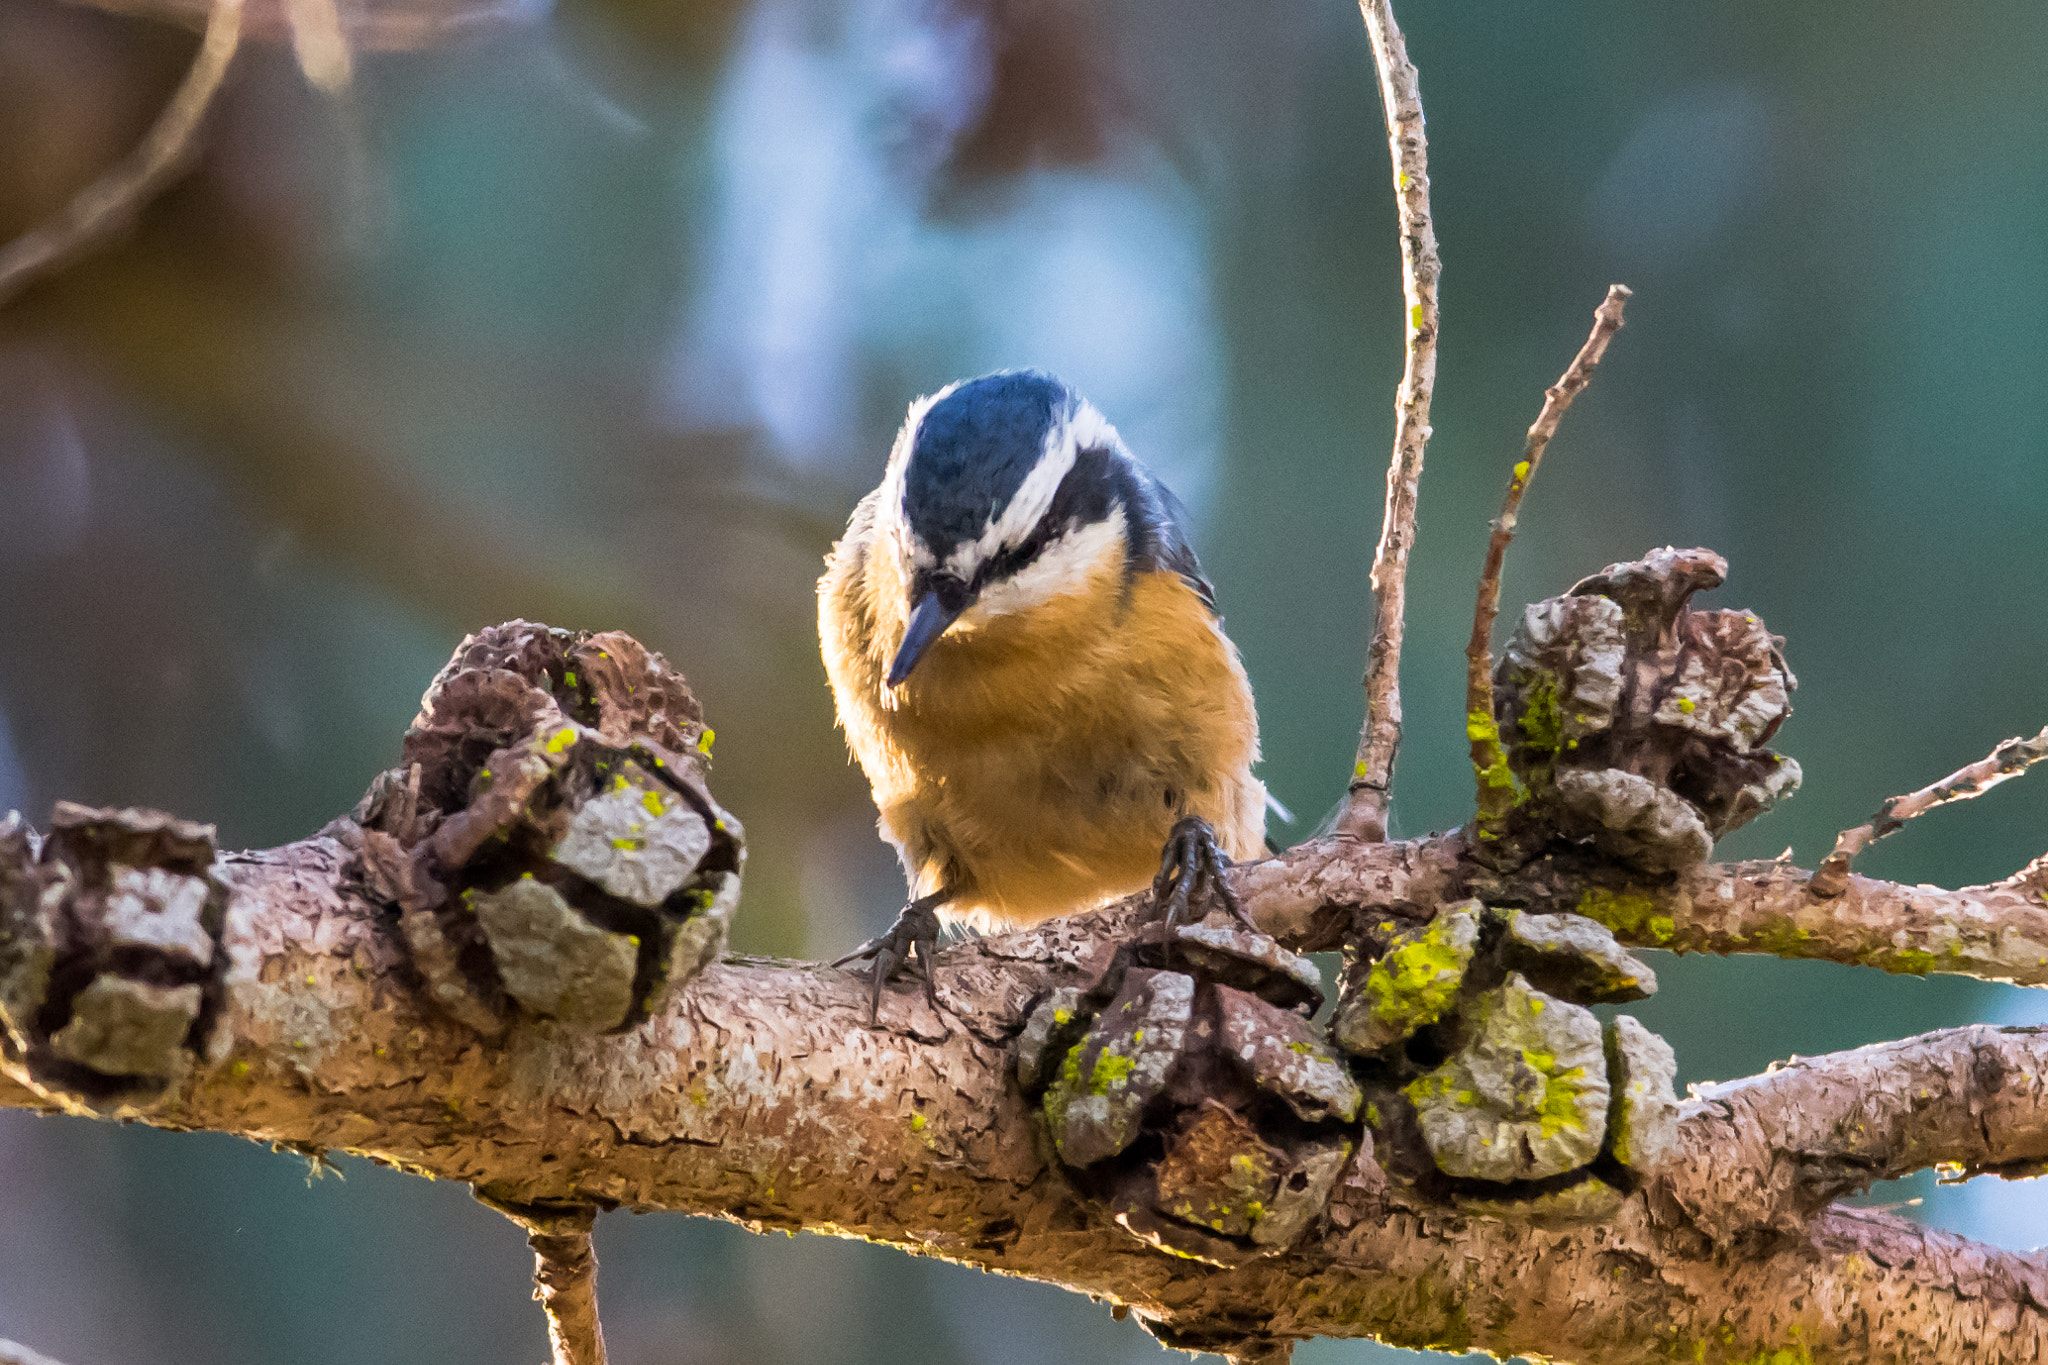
point(917, 927)
point(1192, 861)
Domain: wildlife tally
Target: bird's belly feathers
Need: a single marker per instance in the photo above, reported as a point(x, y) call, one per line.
point(1036, 764)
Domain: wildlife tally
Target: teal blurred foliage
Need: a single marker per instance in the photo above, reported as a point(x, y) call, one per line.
point(606, 318)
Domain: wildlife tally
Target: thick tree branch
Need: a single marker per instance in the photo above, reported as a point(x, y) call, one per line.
point(1777, 1147)
point(113, 199)
point(759, 1096)
point(1372, 773)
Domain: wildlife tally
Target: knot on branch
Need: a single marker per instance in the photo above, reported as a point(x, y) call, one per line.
point(1634, 723)
point(110, 958)
point(1488, 1085)
point(548, 841)
point(1189, 1092)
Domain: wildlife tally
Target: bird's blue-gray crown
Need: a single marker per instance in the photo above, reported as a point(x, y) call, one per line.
point(1000, 481)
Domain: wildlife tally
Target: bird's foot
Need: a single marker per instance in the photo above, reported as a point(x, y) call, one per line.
point(1192, 862)
point(916, 927)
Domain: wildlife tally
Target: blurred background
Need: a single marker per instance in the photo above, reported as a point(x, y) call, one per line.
point(604, 315)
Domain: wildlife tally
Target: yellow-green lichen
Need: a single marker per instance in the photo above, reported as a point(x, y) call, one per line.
point(1631, 914)
point(1559, 1108)
point(1112, 1070)
point(1494, 773)
point(1416, 981)
point(1542, 721)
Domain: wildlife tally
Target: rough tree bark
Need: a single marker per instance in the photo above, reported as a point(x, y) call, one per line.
point(319, 1019)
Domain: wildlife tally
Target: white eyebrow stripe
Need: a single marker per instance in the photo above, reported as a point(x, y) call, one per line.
point(1081, 428)
point(895, 521)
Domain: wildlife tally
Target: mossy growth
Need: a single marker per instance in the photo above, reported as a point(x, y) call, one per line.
point(1629, 913)
point(1412, 985)
point(1541, 721)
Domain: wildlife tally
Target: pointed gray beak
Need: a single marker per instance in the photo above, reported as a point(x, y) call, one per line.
point(927, 623)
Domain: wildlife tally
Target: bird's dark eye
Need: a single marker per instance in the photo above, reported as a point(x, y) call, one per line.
point(953, 594)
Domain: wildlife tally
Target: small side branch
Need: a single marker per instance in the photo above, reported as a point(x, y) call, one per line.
point(115, 197)
point(564, 1276)
point(1365, 812)
point(1496, 783)
point(2009, 759)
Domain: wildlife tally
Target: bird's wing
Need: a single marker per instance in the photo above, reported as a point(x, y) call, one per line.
point(1163, 538)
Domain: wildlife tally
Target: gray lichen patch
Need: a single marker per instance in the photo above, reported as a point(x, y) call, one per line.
point(121, 1027)
point(1227, 952)
point(1097, 1103)
point(1731, 684)
point(1281, 1054)
point(110, 965)
point(1633, 819)
point(554, 961)
point(1575, 958)
point(1643, 1121)
point(1412, 984)
point(1636, 722)
point(638, 840)
point(1526, 1098)
point(1303, 1195)
point(1565, 660)
point(149, 908)
point(1050, 1032)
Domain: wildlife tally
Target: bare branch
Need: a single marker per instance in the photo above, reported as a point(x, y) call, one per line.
point(1372, 774)
point(564, 1277)
point(1997, 932)
point(366, 25)
point(115, 197)
point(2009, 759)
point(1489, 762)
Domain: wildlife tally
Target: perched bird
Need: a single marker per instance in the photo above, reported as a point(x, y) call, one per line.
point(1030, 668)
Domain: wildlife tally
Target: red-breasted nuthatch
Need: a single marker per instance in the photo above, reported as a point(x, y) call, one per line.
point(1031, 670)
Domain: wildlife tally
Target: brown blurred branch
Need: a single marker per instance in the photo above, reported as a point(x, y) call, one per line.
point(365, 26)
point(1372, 772)
point(12, 1353)
point(112, 200)
point(2008, 760)
point(1489, 761)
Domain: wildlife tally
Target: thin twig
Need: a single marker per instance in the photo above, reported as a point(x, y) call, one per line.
point(2009, 759)
point(564, 1274)
point(1489, 762)
point(110, 201)
point(1379, 740)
